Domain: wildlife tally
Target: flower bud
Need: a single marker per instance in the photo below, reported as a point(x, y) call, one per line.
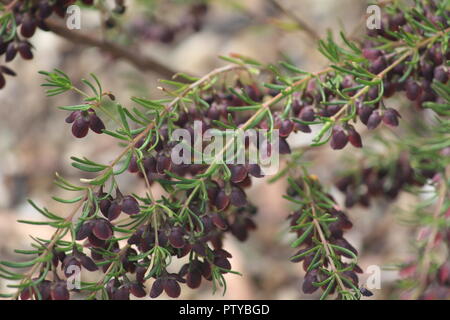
point(371, 54)
point(102, 229)
point(133, 166)
point(176, 239)
point(6, 70)
point(2, 81)
point(114, 210)
point(307, 114)
point(218, 221)
point(157, 288)
point(441, 74)
point(255, 170)
point(338, 138)
point(374, 120)
point(222, 262)
point(378, 65)
point(364, 113)
point(222, 200)
point(308, 286)
point(84, 231)
point(354, 137)
point(237, 197)
point(96, 124)
point(24, 49)
point(130, 205)
point(121, 293)
point(390, 117)
point(286, 128)
point(163, 163)
point(193, 279)
point(284, 147)
point(87, 263)
point(28, 26)
point(72, 116)
point(11, 52)
point(45, 10)
point(137, 290)
point(238, 173)
point(413, 90)
point(80, 127)
point(59, 291)
point(172, 288)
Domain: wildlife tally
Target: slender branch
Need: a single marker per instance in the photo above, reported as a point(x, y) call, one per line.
point(299, 21)
point(323, 239)
point(143, 63)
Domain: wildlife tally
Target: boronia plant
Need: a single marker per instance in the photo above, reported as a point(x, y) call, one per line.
point(128, 239)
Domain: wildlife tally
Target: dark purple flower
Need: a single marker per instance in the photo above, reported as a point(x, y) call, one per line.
point(413, 90)
point(364, 113)
point(24, 49)
point(114, 210)
point(102, 229)
point(237, 197)
point(28, 26)
point(172, 288)
point(307, 114)
point(308, 286)
point(354, 137)
point(176, 239)
point(238, 173)
point(59, 291)
point(96, 124)
point(222, 200)
point(441, 74)
point(390, 117)
point(157, 288)
point(80, 127)
point(374, 120)
point(339, 138)
point(130, 205)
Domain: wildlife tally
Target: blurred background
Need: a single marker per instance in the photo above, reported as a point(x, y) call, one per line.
point(35, 142)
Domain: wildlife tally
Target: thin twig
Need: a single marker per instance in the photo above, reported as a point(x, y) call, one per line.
point(299, 21)
point(142, 63)
point(323, 239)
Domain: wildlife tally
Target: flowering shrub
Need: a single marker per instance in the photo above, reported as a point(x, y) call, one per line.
point(131, 238)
